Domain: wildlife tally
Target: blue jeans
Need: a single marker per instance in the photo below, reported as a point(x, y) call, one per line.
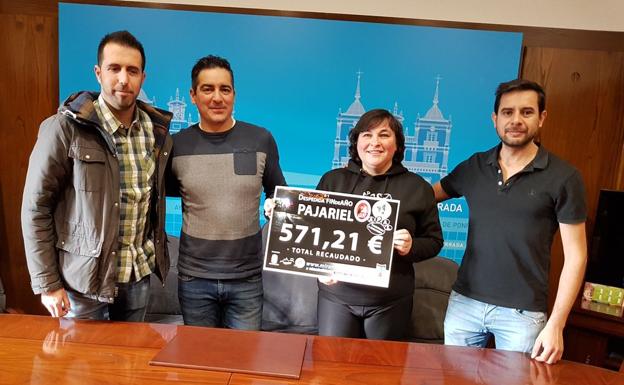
point(230, 303)
point(130, 303)
point(470, 322)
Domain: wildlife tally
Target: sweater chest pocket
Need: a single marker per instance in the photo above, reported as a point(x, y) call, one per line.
point(89, 168)
point(245, 161)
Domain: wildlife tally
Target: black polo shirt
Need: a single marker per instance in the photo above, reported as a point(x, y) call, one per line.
point(512, 225)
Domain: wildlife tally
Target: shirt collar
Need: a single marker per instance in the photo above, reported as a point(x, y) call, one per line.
point(111, 123)
point(541, 159)
point(492, 156)
point(222, 132)
point(539, 162)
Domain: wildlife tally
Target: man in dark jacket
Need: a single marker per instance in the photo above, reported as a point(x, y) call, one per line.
point(93, 205)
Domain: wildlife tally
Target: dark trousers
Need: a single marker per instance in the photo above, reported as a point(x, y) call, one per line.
point(387, 322)
point(229, 303)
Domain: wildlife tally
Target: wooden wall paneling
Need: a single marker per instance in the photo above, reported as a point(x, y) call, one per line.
point(29, 84)
point(572, 39)
point(619, 185)
point(3, 241)
point(585, 123)
point(620, 181)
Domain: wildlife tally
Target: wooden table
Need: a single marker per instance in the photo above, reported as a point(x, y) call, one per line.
point(43, 350)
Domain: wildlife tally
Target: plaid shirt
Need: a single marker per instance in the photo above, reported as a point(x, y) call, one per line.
point(135, 146)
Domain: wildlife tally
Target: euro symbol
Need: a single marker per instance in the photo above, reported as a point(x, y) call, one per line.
point(374, 244)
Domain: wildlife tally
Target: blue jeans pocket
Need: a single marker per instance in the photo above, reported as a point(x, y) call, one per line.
point(536, 317)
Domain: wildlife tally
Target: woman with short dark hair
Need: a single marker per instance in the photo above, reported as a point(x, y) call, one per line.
point(377, 145)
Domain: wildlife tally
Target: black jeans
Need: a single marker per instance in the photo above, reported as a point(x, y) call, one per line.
point(386, 322)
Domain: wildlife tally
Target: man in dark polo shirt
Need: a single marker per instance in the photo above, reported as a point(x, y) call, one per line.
point(518, 194)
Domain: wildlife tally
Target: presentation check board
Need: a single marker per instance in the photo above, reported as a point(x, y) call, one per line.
point(327, 234)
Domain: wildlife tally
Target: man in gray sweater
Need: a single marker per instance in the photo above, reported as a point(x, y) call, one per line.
point(220, 167)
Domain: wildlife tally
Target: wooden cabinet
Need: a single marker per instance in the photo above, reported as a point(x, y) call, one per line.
point(594, 338)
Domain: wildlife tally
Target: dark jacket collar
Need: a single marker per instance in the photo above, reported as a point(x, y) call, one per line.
point(79, 106)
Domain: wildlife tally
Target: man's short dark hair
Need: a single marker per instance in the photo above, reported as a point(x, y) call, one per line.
point(520, 85)
point(372, 119)
point(208, 62)
point(123, 38)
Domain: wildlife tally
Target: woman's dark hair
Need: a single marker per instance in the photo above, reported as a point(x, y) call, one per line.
point(372, 119)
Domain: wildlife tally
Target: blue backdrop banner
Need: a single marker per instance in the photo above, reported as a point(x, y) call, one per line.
point(309, 80)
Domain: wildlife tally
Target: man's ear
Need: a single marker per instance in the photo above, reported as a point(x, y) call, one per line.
point(542, 117)
point(98, 72)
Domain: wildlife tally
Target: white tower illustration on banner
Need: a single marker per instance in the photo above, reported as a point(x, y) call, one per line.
point(178, 107)
point(427, 151)
point(145, 99)
point(346, 121)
